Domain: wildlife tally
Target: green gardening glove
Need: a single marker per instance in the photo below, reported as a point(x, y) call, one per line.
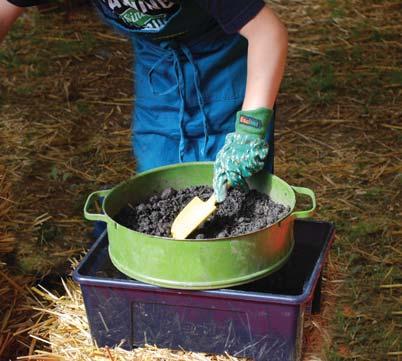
point(243, 153)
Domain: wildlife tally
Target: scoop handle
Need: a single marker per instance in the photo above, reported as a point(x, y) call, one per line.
point(212, 200)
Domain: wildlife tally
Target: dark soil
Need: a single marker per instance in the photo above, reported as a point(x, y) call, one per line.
point(241, 212)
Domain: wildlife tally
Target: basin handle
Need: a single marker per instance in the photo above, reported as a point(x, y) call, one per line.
point(95, 216)
point(308, 192)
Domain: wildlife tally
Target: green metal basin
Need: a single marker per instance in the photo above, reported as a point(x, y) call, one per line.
point(196, 264)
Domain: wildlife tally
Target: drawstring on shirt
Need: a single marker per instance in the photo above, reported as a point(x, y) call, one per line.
point(173, 55)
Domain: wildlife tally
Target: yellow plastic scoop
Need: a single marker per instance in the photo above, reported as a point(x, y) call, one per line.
point(192, 216)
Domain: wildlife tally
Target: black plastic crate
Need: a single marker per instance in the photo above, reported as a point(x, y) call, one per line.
point(262, 320)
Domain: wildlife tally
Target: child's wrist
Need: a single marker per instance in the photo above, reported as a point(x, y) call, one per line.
point(253, 122)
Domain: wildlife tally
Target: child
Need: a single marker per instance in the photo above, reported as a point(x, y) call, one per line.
point(207, 73)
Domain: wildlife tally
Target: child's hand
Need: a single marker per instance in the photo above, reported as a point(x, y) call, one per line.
point(243, 153)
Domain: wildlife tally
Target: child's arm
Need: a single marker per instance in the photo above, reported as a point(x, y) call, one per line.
point(267, 51)
point(245, 150)
point(8, 14)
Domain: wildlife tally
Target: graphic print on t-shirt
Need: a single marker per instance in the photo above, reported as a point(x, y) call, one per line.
point(142, 14)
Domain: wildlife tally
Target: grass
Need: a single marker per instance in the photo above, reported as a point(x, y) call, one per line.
point(321, 84)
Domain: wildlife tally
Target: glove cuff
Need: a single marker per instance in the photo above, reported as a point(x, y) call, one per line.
point(253, 122)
